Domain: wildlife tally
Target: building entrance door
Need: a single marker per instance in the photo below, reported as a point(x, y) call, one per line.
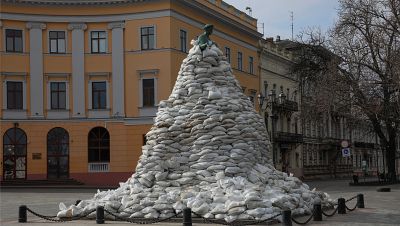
point(14, 154)
point(57, 154)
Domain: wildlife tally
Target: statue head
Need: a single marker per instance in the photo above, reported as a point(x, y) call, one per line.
point(208, 28)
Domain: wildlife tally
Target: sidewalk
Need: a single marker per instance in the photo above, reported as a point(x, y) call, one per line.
point(382, 208)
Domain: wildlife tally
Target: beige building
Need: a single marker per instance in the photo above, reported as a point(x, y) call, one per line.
point(279, 95)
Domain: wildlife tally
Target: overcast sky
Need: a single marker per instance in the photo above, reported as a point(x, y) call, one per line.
point(275, 14)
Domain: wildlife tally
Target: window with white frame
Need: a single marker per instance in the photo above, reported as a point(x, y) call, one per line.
point(99, 95)
point(58, 95)
point(15, 94)
point(251, 65)
point(183, 40)
point(148, 92)
point(240, 61)
point(147, 38)
point(98, 42)
point(14, 41)
point(57, 41)
point(228, 54)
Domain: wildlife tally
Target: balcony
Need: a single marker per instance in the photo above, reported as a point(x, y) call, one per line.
point(284, 137)
point(286, 106)
point(98, 167)
point(329, 143)
point(364, 145)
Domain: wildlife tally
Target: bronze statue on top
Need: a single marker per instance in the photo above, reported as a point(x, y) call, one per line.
point(204, 39)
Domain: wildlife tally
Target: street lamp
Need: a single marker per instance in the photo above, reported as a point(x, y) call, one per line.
point(265, 103)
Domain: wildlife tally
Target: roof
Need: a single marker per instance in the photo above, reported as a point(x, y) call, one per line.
point(72, 2)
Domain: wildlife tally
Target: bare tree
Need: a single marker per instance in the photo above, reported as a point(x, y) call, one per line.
point(358, 66)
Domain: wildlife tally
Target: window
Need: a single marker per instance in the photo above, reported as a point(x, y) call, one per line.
point(240, 61)
point(13, 40)
point(98, 41)
point(99, 95)
point(251, 65)
point(148, 92)
point(58, 95)
point(147, 38)
point(98, 145)
point(14, 154)
point(228, 54)
point(183, 38)
point(57, 41)
point(14, 95)
point(265, 88)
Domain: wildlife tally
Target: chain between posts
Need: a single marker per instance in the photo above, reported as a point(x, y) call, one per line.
point(141, 221)
point(351, 209)
point(51, 218)
point(305, 222)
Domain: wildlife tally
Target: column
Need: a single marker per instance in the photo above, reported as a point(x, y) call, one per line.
point(118, 92)
point(36, 68)
point(78, 69)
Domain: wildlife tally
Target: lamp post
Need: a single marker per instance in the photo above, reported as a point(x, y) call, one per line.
point(265, 103)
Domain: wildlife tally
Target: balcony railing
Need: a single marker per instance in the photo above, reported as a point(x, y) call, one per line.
point(286, 105)
point(364, 145)
point(96, 167)
point(288, 137)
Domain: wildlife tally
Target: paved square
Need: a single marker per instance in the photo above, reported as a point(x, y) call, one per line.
point(382, 208)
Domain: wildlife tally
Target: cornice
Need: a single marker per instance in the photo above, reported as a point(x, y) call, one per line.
point(77, 26)
point(71, 2)
point(118, 24)
point(35, 25)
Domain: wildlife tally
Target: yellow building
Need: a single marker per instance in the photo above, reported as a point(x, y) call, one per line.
point(81, 80)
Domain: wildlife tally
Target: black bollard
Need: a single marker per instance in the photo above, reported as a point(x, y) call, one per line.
point(286, 218)
point(341, 206)
point(317, 212)
point(187, 217)
point(22, 216)
point(360, 201)
point(100, 215)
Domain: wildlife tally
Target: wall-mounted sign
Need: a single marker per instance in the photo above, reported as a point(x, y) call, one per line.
point(36, 155)
point(346, 152)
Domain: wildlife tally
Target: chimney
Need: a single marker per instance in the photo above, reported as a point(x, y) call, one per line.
point(278, 38)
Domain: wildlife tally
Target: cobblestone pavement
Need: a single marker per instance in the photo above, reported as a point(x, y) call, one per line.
point(382, 208)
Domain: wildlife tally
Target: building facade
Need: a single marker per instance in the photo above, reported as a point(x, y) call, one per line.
point(81, 80)
point(279, 89)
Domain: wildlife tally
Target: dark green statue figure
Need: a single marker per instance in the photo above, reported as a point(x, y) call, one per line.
point(204, 39)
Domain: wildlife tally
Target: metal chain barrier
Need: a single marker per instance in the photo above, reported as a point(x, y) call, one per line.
point(236, 222)
point(351, 198)
point(330, 214)
point(351, 209)
point(140, 221)
point(305, 222)
point(51, 218)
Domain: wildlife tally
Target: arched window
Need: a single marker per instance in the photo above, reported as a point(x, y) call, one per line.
point(57, 153)
point(99, 145)
point(14, 154)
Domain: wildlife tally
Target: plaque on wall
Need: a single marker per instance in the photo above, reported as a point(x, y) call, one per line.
point(36, 155)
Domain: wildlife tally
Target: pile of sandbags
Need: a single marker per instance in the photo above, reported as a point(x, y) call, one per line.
point(207, 150)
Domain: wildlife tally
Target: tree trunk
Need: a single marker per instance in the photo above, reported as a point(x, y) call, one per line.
point(391, 161)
